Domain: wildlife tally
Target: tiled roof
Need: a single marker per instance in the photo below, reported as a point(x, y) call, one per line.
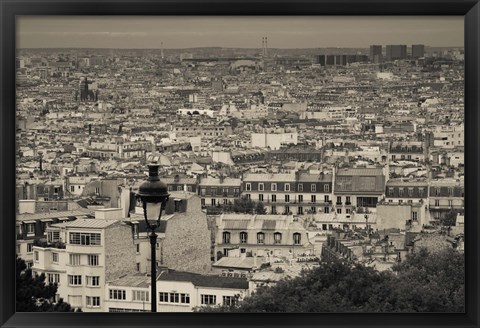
point(86, 223)
point(360, 171)
point(53, 215)
point(135, 280)
point(204, 280)
point(216, 182)
point(270, 177)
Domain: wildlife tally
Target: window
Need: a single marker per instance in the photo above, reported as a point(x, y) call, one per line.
point(243, 237)
point(228, 300)
point(117, 294)
point(297, 238)
point(313, 198)
point(313, 187)
point(93, 301)
point(163, 297)
point(30, 228)
point(185, 298)
point(226, 237)
point(93, 260)
point(260, 197)
point(170, 188)
point(437, 191)
point(53, 278)
point(287, 209)
point(179, 188)
point(326, 198)
point(260, 187)
point(138, 266)
point(348, 211)
point(260, 238)
point(75, 280)
point(324, 226)
point(274, 198)
point(450, 203)
point(339, 211)
point(287, 187)
point(78, 238)
point(55, 190)
point(277, 237)
point(138, 248)
point(400, 192)
point(450, 191)
point(347, 200)
point(72, 188)
point(208, 299)
point(390, 191)
point(53, 236)
point(300, 187)
point(326, 210)
point(74, 259)
point(213, 201)
point(414, 216)
point(140, 295)
point(55, 257)
point(93, 280)
point(274, 187)
point(248, 186)
point(326, 188)
point(174, 298)
point(300, 210)
point(29, 247)
point(287, 198)
point(189, 188)
point(213, 191)
point(36, 256)
point(420, 191)
point(339, 199)
point(410, 192)
point(437, 202)
point(274, 209)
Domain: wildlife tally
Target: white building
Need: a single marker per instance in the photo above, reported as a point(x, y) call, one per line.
point(177, 291)
point(82, 255)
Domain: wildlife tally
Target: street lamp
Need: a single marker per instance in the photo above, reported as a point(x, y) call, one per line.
point(153, 195)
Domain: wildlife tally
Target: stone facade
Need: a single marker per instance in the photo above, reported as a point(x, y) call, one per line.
point(119, 251)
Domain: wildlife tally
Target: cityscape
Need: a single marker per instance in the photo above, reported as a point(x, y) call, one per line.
point(273, 166)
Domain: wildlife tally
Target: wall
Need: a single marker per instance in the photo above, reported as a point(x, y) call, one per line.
point(186, 246)
point(119, 251)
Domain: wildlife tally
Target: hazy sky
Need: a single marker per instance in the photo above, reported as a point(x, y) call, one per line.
point(236, 31)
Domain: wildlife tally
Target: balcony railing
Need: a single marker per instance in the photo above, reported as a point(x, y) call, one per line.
point(44, 244)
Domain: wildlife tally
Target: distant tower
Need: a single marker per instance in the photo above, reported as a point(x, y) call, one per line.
point(161, 51)
point(266, 48)
point(263, 46)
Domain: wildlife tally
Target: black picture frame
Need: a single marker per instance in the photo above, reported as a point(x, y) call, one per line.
point(470, 9)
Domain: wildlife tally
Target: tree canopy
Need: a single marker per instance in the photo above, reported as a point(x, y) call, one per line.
point(424, 282)
point(33, 294)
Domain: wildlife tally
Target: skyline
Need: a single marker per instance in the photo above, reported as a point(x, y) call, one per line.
point(182, 32)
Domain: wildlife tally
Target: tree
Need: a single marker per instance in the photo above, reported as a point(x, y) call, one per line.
point(33, 294)
point(424, 282)
point(243, 205)
point(260, 208)
point(449, 220)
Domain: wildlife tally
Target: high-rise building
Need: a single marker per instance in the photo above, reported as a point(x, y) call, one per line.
point(418, 50)
point(376, 53)
point(395, 52)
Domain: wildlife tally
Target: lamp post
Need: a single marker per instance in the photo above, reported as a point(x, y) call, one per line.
point(153, 195)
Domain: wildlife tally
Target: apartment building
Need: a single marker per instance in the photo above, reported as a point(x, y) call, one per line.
point(446, 195)
point(82, 255)
point(178, 291)
point(358, 188)
point(184, 239)
point(262, 235)
point(218, 191)
point(290, 193)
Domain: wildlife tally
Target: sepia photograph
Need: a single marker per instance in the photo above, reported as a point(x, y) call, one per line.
point(240, 164)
